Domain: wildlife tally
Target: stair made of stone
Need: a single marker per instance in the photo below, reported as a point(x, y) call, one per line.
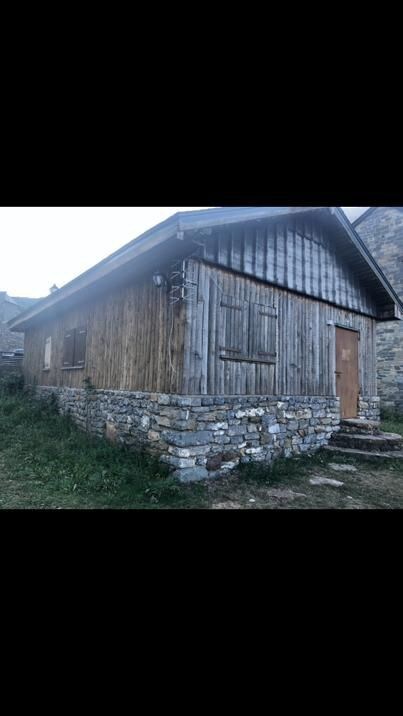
point(365, 437)
point(384, 442)
point(367, 454)
point(361, 427)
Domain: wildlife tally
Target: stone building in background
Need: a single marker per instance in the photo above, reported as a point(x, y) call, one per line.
point(10, 307)
point(381, 228)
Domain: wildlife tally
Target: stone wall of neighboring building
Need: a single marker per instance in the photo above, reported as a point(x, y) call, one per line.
point(9, 308)
point(9, 341)
point(205, 436)
point(382, 231)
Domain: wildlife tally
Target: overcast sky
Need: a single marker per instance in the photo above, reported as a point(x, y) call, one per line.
point(41, 246)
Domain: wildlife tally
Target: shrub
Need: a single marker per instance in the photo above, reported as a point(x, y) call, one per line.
point(388, 414)
point(11, 383)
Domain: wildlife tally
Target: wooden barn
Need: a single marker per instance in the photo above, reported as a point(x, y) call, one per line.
point(218, 336)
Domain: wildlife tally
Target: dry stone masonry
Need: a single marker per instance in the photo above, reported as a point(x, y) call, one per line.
point(203, 436)
point(207, 436)
point(382, 231)
point(369, 407)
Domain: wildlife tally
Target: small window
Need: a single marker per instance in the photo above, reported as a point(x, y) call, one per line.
point(74, 348)
point(48, 351)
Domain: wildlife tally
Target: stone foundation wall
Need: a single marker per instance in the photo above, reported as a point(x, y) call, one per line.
point(369, 407)
point(203, 436)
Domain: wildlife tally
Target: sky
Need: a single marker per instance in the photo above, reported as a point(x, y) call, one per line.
point(42, 246)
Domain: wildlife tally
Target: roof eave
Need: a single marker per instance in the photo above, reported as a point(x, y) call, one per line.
point(219, 217)
point(146, 241)
point(358, 242)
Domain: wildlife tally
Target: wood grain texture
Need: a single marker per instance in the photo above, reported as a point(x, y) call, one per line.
point(134, 341)
point(294, 253)
point(347, 382)
point(298, 333)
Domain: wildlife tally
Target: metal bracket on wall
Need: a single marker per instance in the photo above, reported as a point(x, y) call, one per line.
point(183, 283)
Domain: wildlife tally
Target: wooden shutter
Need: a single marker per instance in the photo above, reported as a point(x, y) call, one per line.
point(80, 344)
point(234, 321)
point(48, 348)
point(263, 333)
point(68, 349)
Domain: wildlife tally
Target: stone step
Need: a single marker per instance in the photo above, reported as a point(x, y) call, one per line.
point(383, 442)
point(367, 454)
point(353, 425)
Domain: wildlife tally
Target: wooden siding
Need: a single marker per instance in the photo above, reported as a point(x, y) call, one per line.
point(304, 340)
point(129, 331)
point(137, 341)
point(297, 253)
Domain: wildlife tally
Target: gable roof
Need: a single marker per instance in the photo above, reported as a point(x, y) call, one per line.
point(20, 301)
point(196, 220)
point(23, 302)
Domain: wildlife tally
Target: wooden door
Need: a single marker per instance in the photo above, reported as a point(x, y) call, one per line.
point(347, 378)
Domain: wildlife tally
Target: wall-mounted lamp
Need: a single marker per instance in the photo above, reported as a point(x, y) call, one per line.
point(160, 280)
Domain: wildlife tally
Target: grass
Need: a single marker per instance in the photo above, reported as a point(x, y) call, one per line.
point(392, 423)
point(370, 486)
point(46, 462)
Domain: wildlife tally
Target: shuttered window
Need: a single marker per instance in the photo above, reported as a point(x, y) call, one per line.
point(263, 332)
point(80, 342)
point(48, 350)
point(233, 327)
point(248, 331)
point(68, 349)
point(74, 348)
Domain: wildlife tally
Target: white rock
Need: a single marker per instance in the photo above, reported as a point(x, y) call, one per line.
point(229, 465)
point(325, 481)
point(250, 413)
point(342, 468)
point(145, 422)
point(218, 426)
